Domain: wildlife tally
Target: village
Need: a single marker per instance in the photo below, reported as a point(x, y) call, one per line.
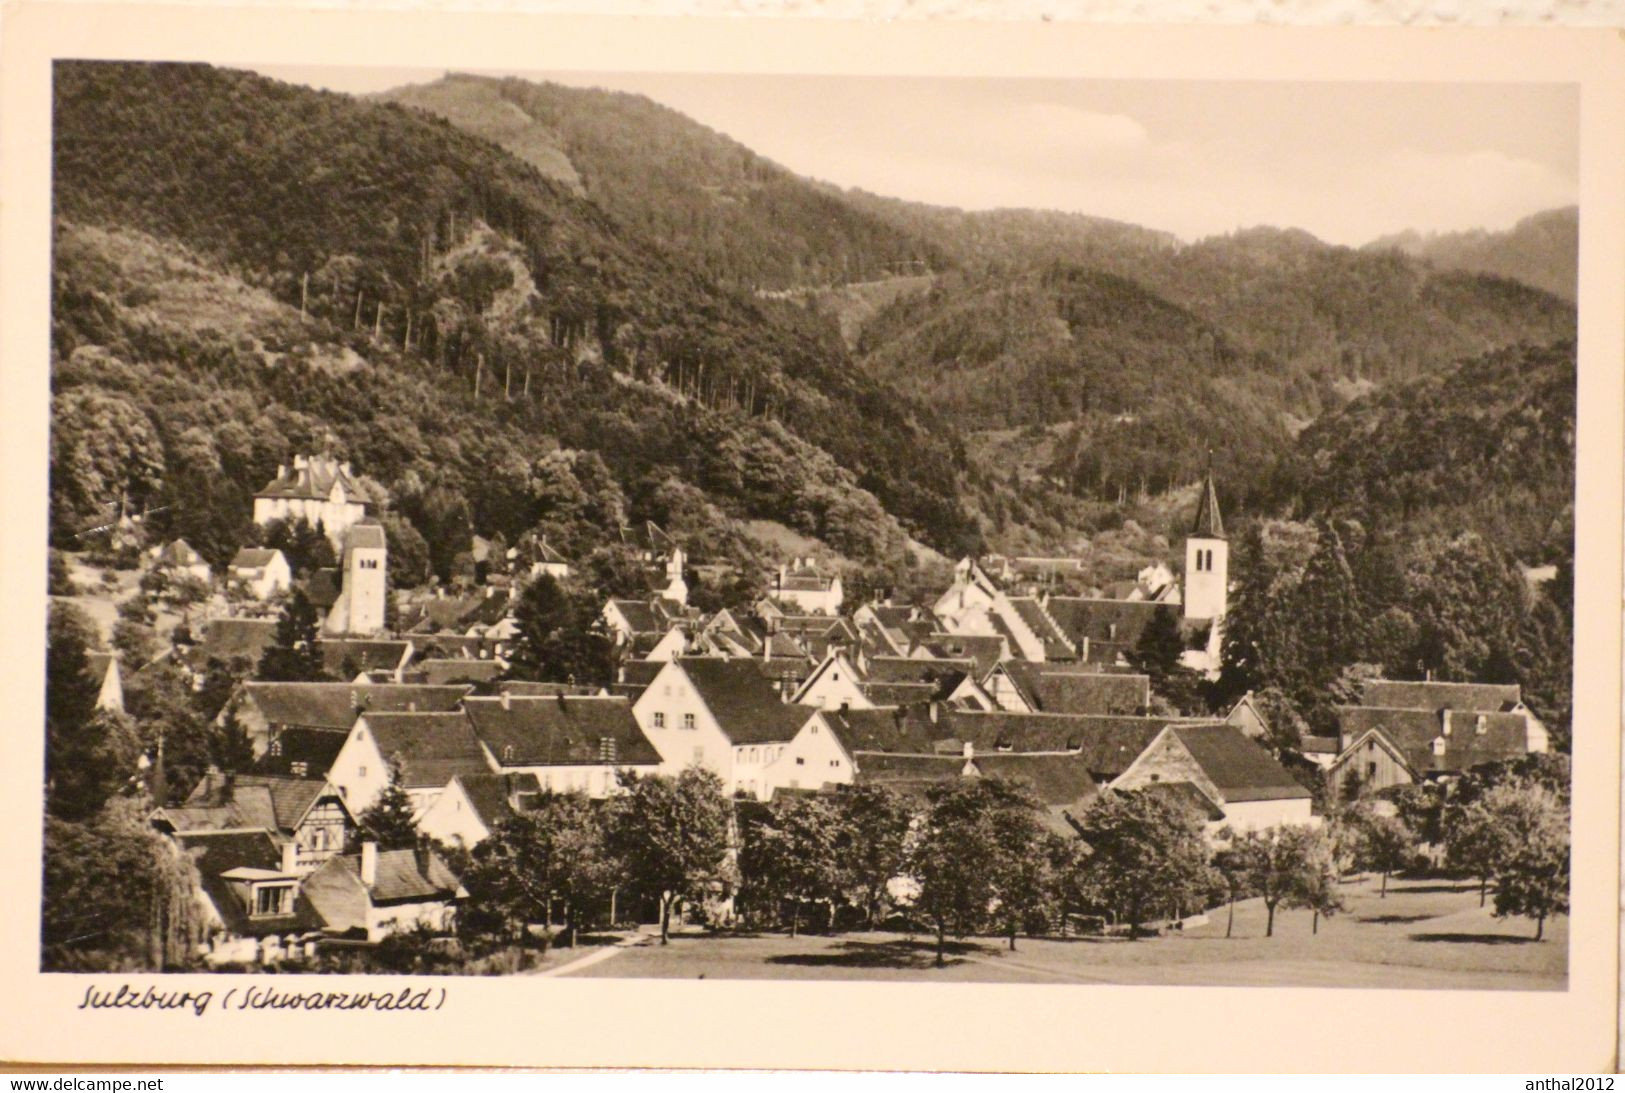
point(994, 763)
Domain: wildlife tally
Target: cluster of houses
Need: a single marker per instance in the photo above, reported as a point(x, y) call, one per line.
point(996, 678)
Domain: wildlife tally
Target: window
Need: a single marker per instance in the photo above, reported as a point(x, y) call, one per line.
point(834, 762)
point(276, 746)
point(1438, 745)
point(688, 721)
point(815, 730)
point(1370, 770)
point(272, 899)
point(800, 761)
point(507, 753)
point(660, 719)
point(1482, 725)
point(361, 772)
point(299, 768)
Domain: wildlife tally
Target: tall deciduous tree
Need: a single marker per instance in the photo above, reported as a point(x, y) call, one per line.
point(792, 854)
point(556, 852)
point(1273, 862)
point(874, 842)
point(1532, 868)
point(1386, 846)
point(671, 835)
point(1147, 855)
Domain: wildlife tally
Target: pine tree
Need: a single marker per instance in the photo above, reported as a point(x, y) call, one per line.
point(1248, 619)
point(295, 655)
point(1330, 618)
point(388, 821)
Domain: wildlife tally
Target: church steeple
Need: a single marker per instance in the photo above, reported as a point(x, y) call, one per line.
point(1209, 524)
point(1207, 556)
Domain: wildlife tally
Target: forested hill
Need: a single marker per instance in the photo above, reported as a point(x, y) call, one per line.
point(719, 207)
point(1539, 250)
point(1486, 446)
point(463, 315)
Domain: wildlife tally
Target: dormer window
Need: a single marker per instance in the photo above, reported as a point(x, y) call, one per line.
point(1438, 745)
point(272, 899)
point(1481, 725)
point(507, 753)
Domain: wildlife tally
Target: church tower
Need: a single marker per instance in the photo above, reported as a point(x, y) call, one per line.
point(365, 589)
point(1207, 558)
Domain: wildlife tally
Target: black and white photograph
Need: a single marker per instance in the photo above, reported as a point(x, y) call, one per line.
point(579, 523)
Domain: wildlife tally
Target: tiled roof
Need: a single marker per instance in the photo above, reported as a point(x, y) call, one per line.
point(1057, 645)
point(891, 730)
point(1108, 744)
point(1505, 735)
point(1058, 779)
point(335, 705)
point(1401, 694)
point(404, 876)
point(313, 480)
point(364, 535)
point(1066, 688)
point(901, 694)
point(255, 800)
point(338, 654)
point(253, 558)
point(1102, 620)
point(745, 703)
point(294, 749)
point(884, 669)
point(491, 796)
point(1239, 768)
point(438, 670)
point(179, 553)
point(560, 731)
point(640, 615)
point(453, 645)
point(219, 852)
point(431, 747)
point(985, 649)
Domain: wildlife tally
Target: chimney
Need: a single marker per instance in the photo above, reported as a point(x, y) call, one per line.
point(1085, 647)
point(290, 856)
point(969, 750)
point(934, 711)
point(507, 700)
point(281, 471)
point(1444, 716)
point(369, 863)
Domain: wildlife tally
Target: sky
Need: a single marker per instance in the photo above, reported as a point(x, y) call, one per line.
point(1347, 162)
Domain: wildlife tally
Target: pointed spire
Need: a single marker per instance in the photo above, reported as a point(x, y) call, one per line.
point(1209, 524)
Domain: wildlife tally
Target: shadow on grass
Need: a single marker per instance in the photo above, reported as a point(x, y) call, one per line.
point(884, 954)
point(1391, 920)
point(1425, 889)
point(1475, 939)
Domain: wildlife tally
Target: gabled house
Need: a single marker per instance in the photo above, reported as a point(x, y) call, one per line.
point(800, 586)
point(265, 710)
point(833, 685)
point(474, 804)
point(430, 748)
point(316, 489)
point(249, 896)
point(1241, 778)
point(566, 742)
point(1060, 780)
point(1434, 744)
point(1464, 698)
point(727, 716)
point(374, 893)
point(178, 559)
point(307, 815)
point(263, 572)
